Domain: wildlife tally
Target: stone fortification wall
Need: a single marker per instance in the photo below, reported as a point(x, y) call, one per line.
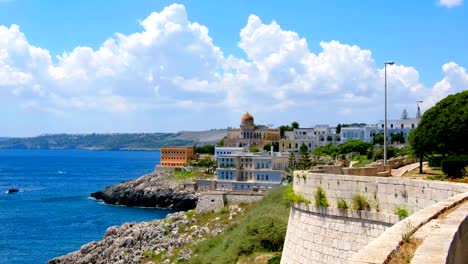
point(323, 236)
point(330, 235)
point(385, 193)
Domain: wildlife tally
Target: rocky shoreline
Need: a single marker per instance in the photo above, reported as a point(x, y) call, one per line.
point(133, 243)
point(151, 190)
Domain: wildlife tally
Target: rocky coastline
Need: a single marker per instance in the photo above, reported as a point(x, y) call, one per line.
point(152, 190)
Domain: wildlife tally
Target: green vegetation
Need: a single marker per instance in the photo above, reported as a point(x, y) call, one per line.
point(341, 204)
point(327, 150)
point(304, 161)
point(284, 128)
point(402, 212)
point(361, 161)
point(321, 198)
point(261, 229)
point(378, 139)
point(354, 145)
point(276, 259)
point(206, 149)
point(397, 138)
point(360, 202)
point(454, 166)
point(378, 153)
point(143, 141)
point(442, 129)
point(183, 175)
point(292, 197)
point(267, 147)
point(254, 149)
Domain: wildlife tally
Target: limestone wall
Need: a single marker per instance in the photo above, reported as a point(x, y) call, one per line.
point(325, 236)
point(214, 201)
point(386, 193)
point(330, 235)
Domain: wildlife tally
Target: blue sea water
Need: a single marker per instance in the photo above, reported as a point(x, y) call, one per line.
point(53, 214)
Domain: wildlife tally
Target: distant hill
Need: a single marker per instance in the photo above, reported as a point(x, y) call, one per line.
point(130, 141)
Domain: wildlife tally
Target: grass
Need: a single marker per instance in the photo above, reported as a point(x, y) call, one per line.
point(402, 212)
point(261, 230)
point(292, 197)
point(360, 202)
point(321, 198)
point(182, 175)
point(341, 204)
point(405, 252)
point(361, 161)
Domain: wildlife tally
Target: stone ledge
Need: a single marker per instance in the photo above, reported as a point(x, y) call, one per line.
point(349, 213)
point(380, 250)
point(440, 244)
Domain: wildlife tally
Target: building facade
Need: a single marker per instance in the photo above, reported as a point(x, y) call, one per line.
point(226, 151)
point(249, 171)
point(367, 133)
point(176, 156)
point(250, 135)
point(317, 136)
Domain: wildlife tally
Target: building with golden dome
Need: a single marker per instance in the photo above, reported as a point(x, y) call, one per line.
point(250, 135)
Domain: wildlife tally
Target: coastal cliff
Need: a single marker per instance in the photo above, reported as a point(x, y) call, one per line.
point(151, 190)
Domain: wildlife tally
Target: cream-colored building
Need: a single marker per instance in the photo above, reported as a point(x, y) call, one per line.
point(314, 137)
point(250, 135)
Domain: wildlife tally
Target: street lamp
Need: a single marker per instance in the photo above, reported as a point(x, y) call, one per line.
point(418, 112)
point(385, 120)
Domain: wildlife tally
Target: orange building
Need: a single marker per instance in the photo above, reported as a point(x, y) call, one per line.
point(176, 156)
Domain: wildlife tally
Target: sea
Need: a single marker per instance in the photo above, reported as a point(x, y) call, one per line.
point(52, 214)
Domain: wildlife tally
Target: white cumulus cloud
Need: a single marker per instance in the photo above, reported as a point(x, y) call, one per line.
point(450, 3)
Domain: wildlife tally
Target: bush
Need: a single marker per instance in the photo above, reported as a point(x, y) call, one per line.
point(360, 202)
point(276, 259)
point(435, 161)
point(341, 204)
point(292, 197)
point(402, 212)
point(321, 198)
point(453, 166)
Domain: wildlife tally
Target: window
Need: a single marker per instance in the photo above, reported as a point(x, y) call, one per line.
point(391, 125)
point(412, 125)
point(402, 126)
point(266, 177)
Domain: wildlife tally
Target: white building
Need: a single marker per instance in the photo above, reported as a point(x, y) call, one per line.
point(317, 136)
point(226, 151)
point(367, 133)
point(249, 171)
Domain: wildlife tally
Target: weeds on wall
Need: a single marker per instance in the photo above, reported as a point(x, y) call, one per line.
point(321, 198)
point(407, 233)
point(292, 197)
point(341, 204)
point(401, 212)
point(360, 202)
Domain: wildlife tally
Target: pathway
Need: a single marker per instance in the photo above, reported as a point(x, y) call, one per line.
point(400, 171)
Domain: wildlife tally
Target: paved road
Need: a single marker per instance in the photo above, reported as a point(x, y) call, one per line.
point(400, 171)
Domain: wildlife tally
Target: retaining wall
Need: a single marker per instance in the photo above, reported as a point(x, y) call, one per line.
point(326, 237)
point(214, 201)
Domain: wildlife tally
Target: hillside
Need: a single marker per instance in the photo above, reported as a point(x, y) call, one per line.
point(133, 141)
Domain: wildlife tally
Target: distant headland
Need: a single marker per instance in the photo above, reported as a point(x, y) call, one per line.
point(117, 141)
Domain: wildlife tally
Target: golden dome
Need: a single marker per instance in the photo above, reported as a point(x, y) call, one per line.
point(247, 117)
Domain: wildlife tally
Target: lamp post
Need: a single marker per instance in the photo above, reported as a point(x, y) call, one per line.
point(385, 120)
point(418, 112)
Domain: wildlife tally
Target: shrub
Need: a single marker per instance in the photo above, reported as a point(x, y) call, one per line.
point(291, 196)
point(341, 204)
point(402, 212)
point(435, 161)
point(453, 166)
point(360, 202)
point(321, 198)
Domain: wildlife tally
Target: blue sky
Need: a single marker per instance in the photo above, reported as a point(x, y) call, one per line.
point(149, 66)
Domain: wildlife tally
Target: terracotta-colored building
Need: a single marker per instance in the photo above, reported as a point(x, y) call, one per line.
point(176, 156)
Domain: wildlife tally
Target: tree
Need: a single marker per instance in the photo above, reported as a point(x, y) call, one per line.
point(338, 129)
point(220, 143)
point(443, 128)
point(254, 149)
point(304, 161)
point(284, 128)
point(378, 139)
point(398, 138)
point(267, 147)
point(207, 149)
point(354, 145)
point(291, 165)
point(327, 150)
point(295, 125)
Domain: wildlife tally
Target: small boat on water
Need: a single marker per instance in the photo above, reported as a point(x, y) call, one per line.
point(12, 190)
